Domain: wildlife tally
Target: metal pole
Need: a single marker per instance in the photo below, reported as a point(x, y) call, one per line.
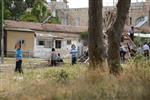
point(149, 16)
point(2, 37)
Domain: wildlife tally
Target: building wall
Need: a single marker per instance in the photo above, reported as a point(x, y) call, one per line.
point(61, 34)
point(70, 15)
point(41, 51)
point(14, 36)
point(138, 10)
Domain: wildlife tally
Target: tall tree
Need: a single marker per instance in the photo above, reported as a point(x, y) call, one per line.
point(40, 10)
point(1, 31)
point(28, 17)
point(14, 8)
point(96, 37)
point(114, 36)
point(30, 3)
point(0, 24)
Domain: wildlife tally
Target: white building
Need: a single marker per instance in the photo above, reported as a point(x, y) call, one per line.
point(39, 39)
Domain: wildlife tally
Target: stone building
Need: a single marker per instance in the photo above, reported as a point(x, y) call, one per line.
point(138, 16)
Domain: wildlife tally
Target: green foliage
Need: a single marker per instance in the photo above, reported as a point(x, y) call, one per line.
point(30, 3)
point(7, 14)
point(40, 10)
point(16, 10)
point(62, 76)
point(140, 40)
point(29, 17)
point(0, 13)
point(38, 13)
point(54, 20)
point(84, 35)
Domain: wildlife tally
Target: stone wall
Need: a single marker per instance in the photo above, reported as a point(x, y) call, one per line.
point(79, 16)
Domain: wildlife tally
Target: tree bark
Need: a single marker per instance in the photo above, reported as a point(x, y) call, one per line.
point(114, 36)
point(96, 37)
point(0, 24)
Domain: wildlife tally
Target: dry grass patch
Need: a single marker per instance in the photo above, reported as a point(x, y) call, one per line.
point(78, 83)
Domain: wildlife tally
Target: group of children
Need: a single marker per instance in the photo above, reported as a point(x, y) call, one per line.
point(144, 50)
point(55, 59)
point(141, 50)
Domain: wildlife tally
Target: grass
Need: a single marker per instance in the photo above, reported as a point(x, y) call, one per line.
point(25, 60)
point(78, 83)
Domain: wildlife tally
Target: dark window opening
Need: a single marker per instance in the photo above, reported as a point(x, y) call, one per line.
point(58, 44)
point(48, 44)
point(41, 43)
point(21, 42)
point(130, 20)
point(68, 42)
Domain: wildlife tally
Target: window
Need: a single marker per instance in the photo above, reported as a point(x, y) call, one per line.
point(48, 44)
point(65, 21)
point(78, 21)
point(58, 44)
point(21, 42)
point(68, 42)
point(130, 20)
point(41, 42)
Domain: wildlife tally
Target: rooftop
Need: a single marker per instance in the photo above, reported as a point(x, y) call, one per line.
point(9, 24)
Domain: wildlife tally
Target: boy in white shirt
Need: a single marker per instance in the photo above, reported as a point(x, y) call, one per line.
point(146, 49)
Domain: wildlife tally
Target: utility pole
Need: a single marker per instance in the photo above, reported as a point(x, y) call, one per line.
point(149, 16)
point(2, 34)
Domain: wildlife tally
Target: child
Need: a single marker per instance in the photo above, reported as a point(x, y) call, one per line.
point(53, 57)
point(131, 31)
point(146, 50)
point(74, 54)
point(59, 59)
point(123, 52)
point(18, 58)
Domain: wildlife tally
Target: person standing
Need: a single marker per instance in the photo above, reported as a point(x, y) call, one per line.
point(53, 57)
point(73, 54)
point(18, 58)
point(131, 31)
point(146, 49)
point(140, 50)
point(123, 52)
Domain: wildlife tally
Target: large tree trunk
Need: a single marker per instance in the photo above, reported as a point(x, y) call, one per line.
point(96, 42)
point(114, 36)
point(0, 36)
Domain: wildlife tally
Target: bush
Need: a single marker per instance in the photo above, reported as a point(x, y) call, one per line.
point(54, 20)
point(29, 18)
point(84, 35)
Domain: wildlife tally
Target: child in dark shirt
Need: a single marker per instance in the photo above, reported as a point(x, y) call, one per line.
point(53, 57)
